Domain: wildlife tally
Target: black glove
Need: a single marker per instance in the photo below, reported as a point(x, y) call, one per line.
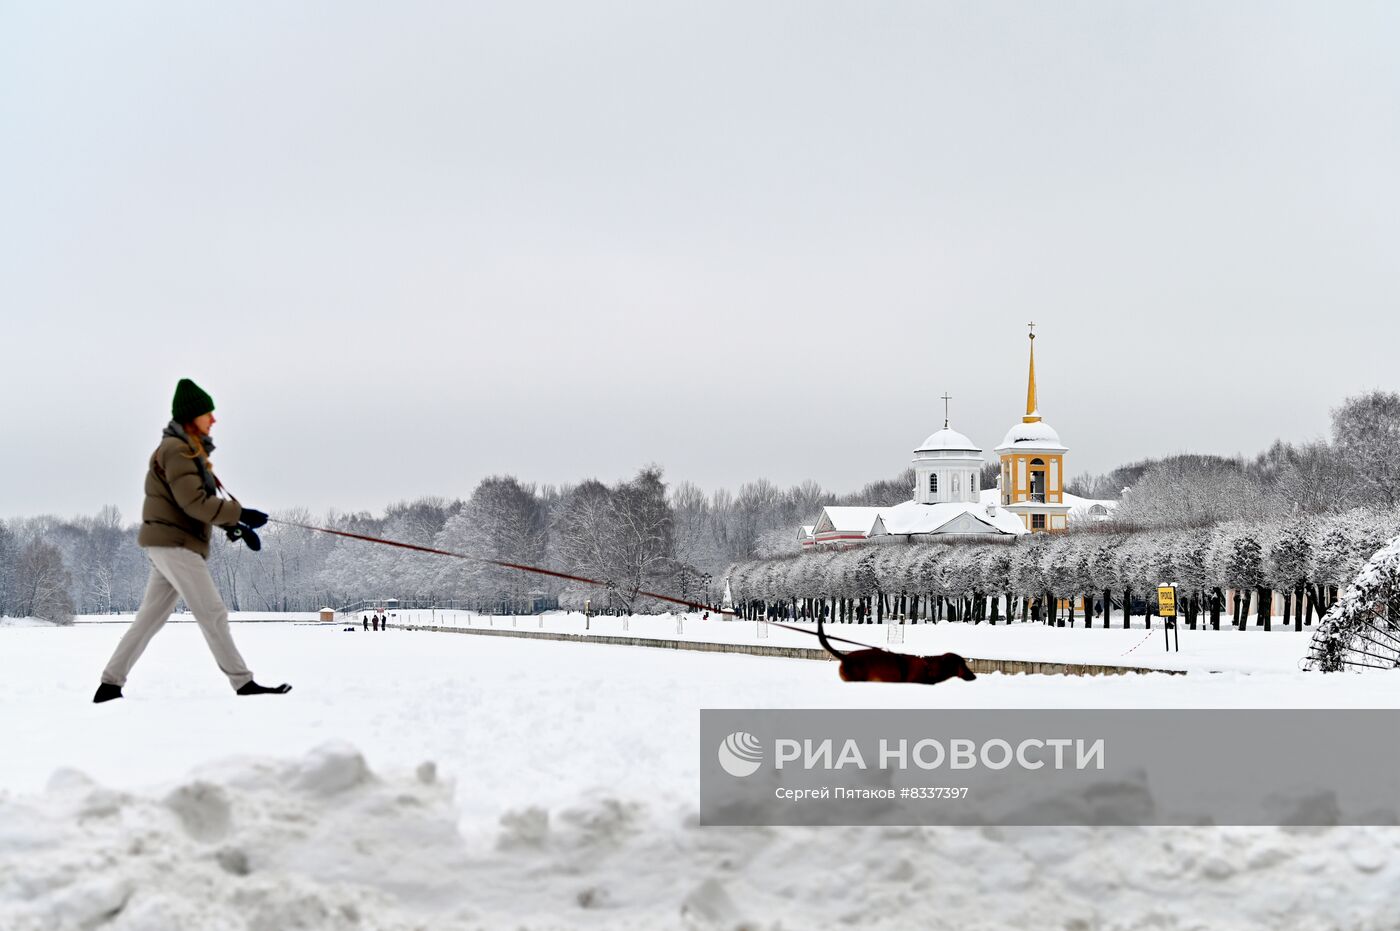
point(252, 518)
point(245, 533)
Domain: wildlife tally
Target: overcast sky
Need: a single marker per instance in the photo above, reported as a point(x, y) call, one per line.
point(409, 245)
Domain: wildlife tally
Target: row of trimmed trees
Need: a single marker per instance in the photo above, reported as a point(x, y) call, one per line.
point(1305, 559)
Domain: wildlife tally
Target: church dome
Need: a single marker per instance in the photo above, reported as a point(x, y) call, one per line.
point(1038, 434)
point(947, 440)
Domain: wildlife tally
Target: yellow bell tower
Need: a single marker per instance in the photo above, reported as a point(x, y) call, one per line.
point(1033, 466)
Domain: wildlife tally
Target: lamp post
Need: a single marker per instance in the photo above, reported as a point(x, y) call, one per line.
point(683, 581)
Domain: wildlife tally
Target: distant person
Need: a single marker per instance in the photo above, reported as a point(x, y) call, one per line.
point(366, 620)
point(182, 504)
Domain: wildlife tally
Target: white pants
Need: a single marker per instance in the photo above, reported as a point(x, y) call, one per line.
point(178, 573)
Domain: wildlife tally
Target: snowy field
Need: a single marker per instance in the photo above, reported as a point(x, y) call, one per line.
point(560, 791)
point(1227, 649)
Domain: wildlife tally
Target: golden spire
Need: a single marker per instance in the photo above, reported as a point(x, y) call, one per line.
point(1032, 404)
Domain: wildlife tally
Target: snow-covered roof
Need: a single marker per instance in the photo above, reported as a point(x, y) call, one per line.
point(1079, 508)
point(848, 519)
point(1083, 508)
point(912, 517)
point(1035, 435)
point(948, 439)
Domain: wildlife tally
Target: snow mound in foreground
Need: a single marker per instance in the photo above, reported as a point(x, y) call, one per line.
point(325, 843)
point(315, 843)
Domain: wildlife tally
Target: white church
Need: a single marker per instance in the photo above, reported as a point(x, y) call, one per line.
point(1029, 496)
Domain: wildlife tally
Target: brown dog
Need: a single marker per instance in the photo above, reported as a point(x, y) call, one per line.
point(876, 665)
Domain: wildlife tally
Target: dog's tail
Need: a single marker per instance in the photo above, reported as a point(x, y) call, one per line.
point(821, 637)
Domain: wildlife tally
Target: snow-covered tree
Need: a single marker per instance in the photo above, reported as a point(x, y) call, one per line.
point(1362, 630)
point(622, 536)
point(1366, 433)
point(503, 521)
point(42, 584)
point(9, 559)
point(1194, 491)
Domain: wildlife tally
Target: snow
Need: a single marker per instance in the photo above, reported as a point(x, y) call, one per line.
point(1035, 435)
point(947, 439)
point(1207, 651)
point(1079, 507)
point(25, 622)
point(912, 517)
point(849, 519)
point(418, 780)
point(184, 617)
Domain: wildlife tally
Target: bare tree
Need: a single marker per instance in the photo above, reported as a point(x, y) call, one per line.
point(9, 557)
point(503, 521)
point(1194, 491)
point(623, 536)
point(1366, 432)
point(42, 584)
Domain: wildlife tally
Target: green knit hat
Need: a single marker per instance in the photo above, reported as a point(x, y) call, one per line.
point(190, 402)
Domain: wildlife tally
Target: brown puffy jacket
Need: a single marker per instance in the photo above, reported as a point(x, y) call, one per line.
point(178, 510)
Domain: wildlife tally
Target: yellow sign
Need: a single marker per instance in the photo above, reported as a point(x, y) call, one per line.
point(1166, 601)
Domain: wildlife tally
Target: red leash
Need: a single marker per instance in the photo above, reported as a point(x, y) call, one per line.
point(492, 562)
point(695, 606)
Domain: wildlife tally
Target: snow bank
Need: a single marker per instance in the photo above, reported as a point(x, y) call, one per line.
point(25, 622)
point(316, 843)
point(324, 843)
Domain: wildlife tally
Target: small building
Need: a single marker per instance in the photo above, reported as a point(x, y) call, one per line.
point(1032, 467)
point(948, 503)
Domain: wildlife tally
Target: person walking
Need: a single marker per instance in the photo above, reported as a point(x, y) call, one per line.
point(366, 620)
point(182, 504)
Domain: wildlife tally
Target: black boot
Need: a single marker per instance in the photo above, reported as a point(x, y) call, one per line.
point(252, 688)
point(106, 692)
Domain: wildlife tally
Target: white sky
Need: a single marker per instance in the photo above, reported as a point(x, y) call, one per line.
point(407, 246)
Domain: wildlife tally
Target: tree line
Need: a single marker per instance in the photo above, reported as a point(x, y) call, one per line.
point(637, 534)
point(1304, 558)
point(641, 533)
